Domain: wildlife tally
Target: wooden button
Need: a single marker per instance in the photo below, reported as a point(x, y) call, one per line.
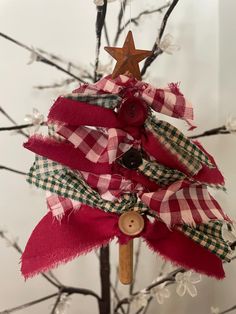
point(131, 223)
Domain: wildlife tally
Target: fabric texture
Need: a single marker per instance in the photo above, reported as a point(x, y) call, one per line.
point(81, 166)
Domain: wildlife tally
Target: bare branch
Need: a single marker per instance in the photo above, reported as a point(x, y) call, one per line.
point(40, 57)
point(156, 51)
point(19, 127)
point(29, 304)
point(12, 121)
point(229, 310)
point(101, 16)
point(215, 131)
point(55, 85)
point(120, 17)
point(135, 20)
point(12, 170)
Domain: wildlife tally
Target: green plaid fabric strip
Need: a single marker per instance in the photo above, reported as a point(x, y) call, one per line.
point(175, 141)
point(51, 176)
point(109, 101)
point(159, 173)
point(209, 236)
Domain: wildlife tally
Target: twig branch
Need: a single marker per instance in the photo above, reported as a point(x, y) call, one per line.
point(169, 278)
point(215, 131)
point(40, 57)
point(229, 310)
point(19, 127)
point(12, 170)
point(135, 20)
point(120, 17)
point(101, 16)
point(156, 51)
point(12, 121)
point(29, 304)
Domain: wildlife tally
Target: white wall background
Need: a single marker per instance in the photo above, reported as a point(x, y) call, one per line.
point(205, 65)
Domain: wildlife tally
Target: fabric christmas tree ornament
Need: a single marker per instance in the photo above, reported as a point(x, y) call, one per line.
point(112, 169)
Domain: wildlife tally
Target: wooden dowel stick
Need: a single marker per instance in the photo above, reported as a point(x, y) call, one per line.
point(126, 263)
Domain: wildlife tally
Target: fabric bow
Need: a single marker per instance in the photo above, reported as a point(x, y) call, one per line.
point(168, 101)
point(80, 231)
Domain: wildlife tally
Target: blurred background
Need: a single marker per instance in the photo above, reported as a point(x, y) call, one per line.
point(206, 67)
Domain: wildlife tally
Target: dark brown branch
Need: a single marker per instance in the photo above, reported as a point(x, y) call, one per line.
point(12, 121)
point(101, 16)
point(105, 301)
point(55, 85)
point(120, 17)
point(58, 299)
point(156, 50)
point(19, 127)
point(229, 310)
point(135, 20)
point(106, 34)
point(12, 170)
point(215, 131)
point(40, 57)
point(26, 305)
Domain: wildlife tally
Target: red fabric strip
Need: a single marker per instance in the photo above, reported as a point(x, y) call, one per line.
point(181, 250)
point(65, 154)
point(73, 112)
point(53, 242)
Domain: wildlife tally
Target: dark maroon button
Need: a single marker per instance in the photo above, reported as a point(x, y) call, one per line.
point(133, 111)
point(132, 159)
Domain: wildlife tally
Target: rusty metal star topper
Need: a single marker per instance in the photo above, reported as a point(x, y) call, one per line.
point(127, 58)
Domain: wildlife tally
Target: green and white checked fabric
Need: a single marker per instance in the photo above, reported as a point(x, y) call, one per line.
point(209, 236)
point(51, 176)
point(109, 101)
point(178, 144)
point(160, 174)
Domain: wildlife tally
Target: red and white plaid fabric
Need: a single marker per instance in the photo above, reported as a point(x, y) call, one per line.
point(58, 205)
point(96, 145)
point(179, 203)
point(111, 187)
point(168, 101)
point(184, 202)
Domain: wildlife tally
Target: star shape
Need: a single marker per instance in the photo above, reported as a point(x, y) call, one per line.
point(128, 58)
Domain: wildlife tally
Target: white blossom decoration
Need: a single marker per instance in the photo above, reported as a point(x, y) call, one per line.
point(36, 118)
point(141, 300)
point(215, 310)
point(161, 293)
point(230, 125)
point(229, 232)
point(167, 44)
point(63, 305)
point(186, 283)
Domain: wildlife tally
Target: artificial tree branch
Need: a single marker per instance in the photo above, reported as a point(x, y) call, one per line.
point(105, 301)
point(40, 57)
point(156, 50)
point(12, 121)
point(19, 127)
point(228, 310)
point(135, 20)
point(29, 304)
point(100, 22)
point(120, 17)
point(12, 170)
point(55, 85)
point(215, 131)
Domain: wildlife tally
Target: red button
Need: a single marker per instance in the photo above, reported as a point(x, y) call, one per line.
point(133, 111)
